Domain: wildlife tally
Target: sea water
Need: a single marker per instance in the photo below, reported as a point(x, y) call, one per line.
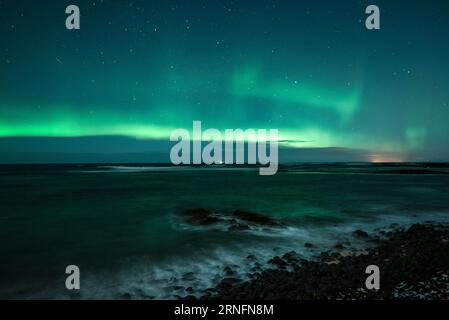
point(123, 226)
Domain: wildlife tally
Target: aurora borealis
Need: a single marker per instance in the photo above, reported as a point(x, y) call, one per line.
point(139, 69)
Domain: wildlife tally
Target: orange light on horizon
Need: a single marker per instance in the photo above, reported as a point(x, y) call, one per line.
point(378, 158)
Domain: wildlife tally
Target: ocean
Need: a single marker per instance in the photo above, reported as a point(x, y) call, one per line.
point(125, 227)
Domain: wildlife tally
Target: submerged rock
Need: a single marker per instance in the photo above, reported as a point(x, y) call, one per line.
point(189, 276)
point(200, 217)
point(237, 220)
point(256, 218)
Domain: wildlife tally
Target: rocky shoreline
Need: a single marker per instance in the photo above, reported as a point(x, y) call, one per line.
point(413, 262)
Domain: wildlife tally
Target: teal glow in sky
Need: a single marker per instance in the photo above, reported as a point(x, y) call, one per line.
point(140, 69)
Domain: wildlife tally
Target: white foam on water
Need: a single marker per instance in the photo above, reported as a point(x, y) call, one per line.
point(183, 276)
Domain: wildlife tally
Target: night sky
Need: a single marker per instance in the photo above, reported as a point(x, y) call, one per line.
point(136, 70)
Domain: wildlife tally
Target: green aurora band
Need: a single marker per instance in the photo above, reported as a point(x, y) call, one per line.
point(310, 70)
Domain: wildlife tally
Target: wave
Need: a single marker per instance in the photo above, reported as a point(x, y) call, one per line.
point(133, 169)
point(195, 275)
point(198, 273)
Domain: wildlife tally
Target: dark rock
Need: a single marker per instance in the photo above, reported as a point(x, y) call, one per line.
point(256, 218)
point(278, 262)
point(238, 220)
point(360, 234)
point(200, 217)
point(126, 296)
point(227, 283)
point(414, 264)
point(291, 257)
point(228, 271)
point(308, 245)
